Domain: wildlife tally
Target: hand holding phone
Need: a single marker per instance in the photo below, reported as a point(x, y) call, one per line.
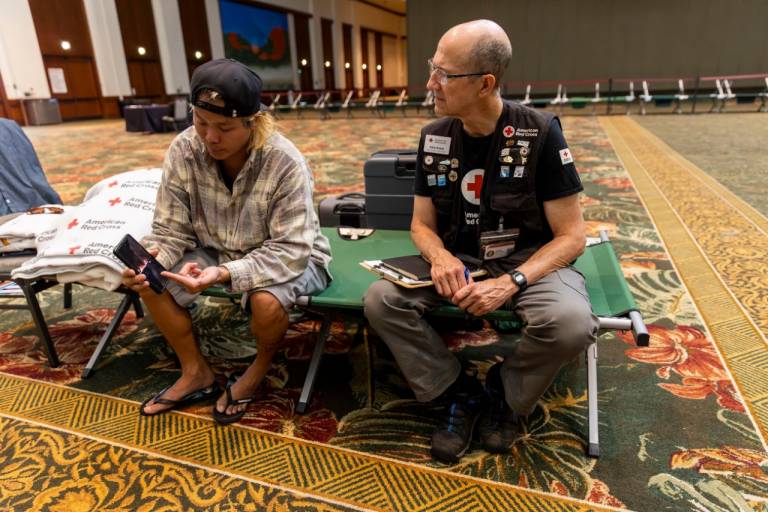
point(138, 259)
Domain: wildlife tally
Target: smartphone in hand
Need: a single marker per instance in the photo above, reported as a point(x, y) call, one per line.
point(136, 257)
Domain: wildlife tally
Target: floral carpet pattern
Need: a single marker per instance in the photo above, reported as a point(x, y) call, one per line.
point(675, 433)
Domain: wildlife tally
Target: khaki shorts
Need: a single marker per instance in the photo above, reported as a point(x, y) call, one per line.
point(313, 280)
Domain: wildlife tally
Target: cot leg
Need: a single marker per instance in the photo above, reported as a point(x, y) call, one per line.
point(39, 319)
point(314, 364)
point(67, 295)
point(122, 309)
point(593, 446)
point(136, 301)
point(639, 330)
point(369, 351)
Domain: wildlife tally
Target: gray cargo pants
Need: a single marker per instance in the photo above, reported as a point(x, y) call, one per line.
point(559, 324)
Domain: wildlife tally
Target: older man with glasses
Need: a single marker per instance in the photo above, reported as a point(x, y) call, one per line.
point(496, 182)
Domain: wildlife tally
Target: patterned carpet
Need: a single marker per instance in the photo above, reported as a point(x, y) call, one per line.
point(729, 147)
point(683, 422)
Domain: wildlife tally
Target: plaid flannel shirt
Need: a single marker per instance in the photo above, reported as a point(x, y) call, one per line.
point(265, 230)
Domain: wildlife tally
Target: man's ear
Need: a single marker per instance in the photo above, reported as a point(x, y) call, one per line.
point(488, 85)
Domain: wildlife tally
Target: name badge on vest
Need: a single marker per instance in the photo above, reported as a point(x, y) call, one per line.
point(498, 244)
point(437, 144)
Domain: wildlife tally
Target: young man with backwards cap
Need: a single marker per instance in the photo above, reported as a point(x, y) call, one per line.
point(234, 209)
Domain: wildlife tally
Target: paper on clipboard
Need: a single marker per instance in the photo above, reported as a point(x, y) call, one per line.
point(377, 268)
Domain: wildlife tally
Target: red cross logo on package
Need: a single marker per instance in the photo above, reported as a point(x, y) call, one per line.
point(72, 224)
point(113, 202)
point(472, 186)
point(113, 184)
point(73, 249)
point(508, 131)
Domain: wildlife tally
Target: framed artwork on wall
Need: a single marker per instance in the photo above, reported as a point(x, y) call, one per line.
point(258, 37)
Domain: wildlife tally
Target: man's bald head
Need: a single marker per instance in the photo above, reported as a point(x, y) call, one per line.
point(484, 44)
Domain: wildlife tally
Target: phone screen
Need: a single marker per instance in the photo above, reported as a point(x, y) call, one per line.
point(135, 257)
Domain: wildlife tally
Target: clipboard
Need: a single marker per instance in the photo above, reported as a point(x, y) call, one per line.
point(380, 270)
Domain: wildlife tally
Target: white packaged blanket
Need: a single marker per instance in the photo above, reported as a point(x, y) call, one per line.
point(79, 247)
point(22, 231)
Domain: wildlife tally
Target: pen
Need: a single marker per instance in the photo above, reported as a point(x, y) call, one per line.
point(466, 274)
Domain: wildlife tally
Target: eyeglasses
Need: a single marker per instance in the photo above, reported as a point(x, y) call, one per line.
point(442, 77)
point(37, 210)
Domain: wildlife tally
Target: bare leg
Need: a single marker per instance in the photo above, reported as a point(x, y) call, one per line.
point(176, 325)
point(269, 322)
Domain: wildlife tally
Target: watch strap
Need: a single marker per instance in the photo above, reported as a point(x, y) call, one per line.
point(520, 280)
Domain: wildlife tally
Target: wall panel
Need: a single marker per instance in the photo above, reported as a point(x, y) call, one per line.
point(328, 53)
point(389, 62)
point(555, 40)
point(349, 79)
point(301, 22)
point(194, 25)
point(137, 27)
point(378, 66)
point(57, 22)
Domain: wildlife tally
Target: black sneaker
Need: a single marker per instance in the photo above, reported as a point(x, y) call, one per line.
point(451, 441)
point(499, 424)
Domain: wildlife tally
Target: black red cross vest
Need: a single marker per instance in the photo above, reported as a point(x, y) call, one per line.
point(508, 190)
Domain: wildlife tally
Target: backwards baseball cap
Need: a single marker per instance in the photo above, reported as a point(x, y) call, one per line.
point(239, 87)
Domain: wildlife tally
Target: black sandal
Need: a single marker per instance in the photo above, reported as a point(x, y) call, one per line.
point(194, 397)
point(222, 418)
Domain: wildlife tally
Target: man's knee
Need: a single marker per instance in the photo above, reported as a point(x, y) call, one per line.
point(163, 309)
point(266, 312)
point(377, 299)
point(571, 326)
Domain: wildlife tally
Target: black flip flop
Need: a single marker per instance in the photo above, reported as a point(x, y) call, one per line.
point(222, 418)
point(194, 397)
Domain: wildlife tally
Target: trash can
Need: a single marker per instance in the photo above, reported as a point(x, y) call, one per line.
point(42, 111)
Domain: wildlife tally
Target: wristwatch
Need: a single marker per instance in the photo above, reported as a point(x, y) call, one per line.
point(520, 280)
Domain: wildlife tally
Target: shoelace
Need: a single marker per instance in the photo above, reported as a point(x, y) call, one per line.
point(457, 411)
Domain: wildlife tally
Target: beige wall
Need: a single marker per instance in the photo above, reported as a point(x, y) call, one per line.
point(567, 40)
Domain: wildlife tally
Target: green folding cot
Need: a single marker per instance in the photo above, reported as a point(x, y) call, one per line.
point(609, 294)
point(611, 299)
